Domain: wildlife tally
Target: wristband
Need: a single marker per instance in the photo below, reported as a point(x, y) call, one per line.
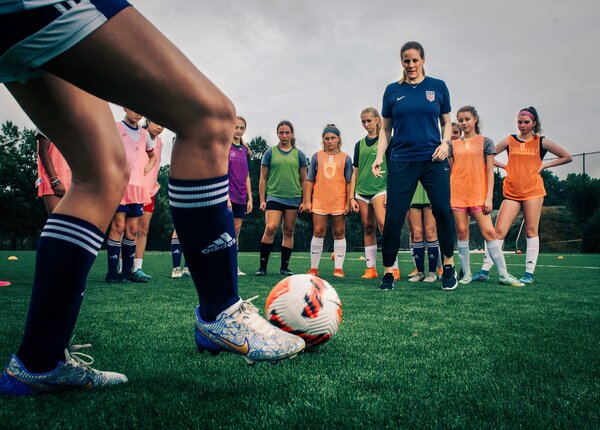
point(55, 183)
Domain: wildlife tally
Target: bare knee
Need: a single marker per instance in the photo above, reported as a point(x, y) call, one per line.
point(271, 230)
point(462, 233)
point(288, 232)
point(369, 229)
point(318, 232)
point(489, 234)
point(531, 231)
point(339, 233)
point(117, 228)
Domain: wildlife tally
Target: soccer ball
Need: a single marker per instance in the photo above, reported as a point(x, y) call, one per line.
point(306, 306)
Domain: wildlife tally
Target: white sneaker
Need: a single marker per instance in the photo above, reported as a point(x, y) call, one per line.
point(240, 273)
point(74, 372)
point(431, 277)
point(185, 272)
point(510, 280)
point(417, 278)
point(176, 273)
point(466, 279)
point(241, 330)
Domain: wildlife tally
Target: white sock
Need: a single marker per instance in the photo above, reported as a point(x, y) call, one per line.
point(531, 255)
point(371, 255)
point(487, 260)
point(395, 266)
point(316, 249)
point(463, 256)
point(339, 247)
point(137, 263)
point(494, 247)
point(120, 264)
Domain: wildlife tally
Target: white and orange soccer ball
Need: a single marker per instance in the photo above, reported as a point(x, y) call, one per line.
point(306, 306)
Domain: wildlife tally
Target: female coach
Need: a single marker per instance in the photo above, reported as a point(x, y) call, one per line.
point(415, 107)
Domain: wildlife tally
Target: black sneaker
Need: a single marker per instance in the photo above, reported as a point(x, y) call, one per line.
point(261, 272)
point(285, 272)
point(387, 282)
point(115, 279)
point(449, 281)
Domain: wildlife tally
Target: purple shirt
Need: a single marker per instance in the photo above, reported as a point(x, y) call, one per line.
point(238, 172)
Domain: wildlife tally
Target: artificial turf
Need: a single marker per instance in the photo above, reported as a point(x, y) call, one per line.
point(481, 356)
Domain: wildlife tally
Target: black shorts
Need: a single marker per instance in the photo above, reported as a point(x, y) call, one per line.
point(420, 205)
point(238, 210)
point(276, 206)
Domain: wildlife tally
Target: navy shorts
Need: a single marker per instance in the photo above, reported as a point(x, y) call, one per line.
point(132, 210)
point(32, 37)
point(272, 205)
point(238, 210)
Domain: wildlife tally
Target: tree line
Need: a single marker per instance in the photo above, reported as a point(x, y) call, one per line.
point(22, 213)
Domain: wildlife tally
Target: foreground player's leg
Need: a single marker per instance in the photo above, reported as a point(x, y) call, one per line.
point(338, 227)
point(532, 210)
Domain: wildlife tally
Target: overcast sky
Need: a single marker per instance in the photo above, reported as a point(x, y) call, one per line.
point(315, 62)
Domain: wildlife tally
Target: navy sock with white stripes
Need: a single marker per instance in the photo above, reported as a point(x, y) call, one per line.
point(433, 254)
point(57, 293)
point(128, 252)
point(113, 251)
point(207, 236)
point(419, 251)
point(176, 252)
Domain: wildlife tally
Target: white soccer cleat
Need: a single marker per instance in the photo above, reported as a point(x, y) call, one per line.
point(466, 279)
point(418, 277)
point(430, 278)
point(240, 273)
point(241, 330)
point(176, 273)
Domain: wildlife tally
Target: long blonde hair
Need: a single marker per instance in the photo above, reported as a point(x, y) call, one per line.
point(241, 118)
point(376, 114)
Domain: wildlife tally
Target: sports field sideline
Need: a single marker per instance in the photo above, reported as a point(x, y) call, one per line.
point(481, 356)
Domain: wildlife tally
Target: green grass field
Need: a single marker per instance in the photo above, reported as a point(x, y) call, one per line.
point(481, 356)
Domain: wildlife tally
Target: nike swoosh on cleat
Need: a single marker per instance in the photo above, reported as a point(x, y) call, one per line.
point(243, 349)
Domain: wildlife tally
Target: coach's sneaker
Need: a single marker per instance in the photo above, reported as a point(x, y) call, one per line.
point(262, 271)
point(176, 273)
point(241, 330)
point(418, 277)
point(115, 279)
point(509, 279)
point(338, 273)
point(481, 276)
point(75, 372)
point(141, 274)
point(370, 273)
point(430, 278)
point(240, 273)
point(527, 278)
point(449, 281)
point(467, 278)
point(185, 272)
point(313, 271)
point(396, 273)
point(387, 282)
point(285, 271)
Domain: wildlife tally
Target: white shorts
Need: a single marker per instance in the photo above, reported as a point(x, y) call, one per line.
point(32, 37)
point(369, 199)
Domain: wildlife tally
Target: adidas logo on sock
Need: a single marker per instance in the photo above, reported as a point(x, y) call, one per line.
point(222, 242)
point(176, 252)
point(114, 257)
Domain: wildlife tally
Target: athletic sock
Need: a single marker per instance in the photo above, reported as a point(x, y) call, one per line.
point(411, 247)
point(316, 249)
point(419, 250)
point(395, 266)
point(463, 256)
point(487, 260)
point(137, 264)
point(339, 247)
point(286, 254)
point(433, 254)
point(65, 242)
point(531, 255)
point(207, 236)
point(265, 252)
point(494, 248)
point(128, 252)
point(176, 252)
point(371, 255)
point(113, 249)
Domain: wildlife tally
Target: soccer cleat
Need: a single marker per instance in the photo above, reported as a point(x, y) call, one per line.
point(418, 277)
point(241, 330)
point(185, 272)
point(430, 277)
point(313, 271)
point(370, 273)
point(73, 373)
point(261, 272)
point(176, 273)
point(240, 273)
point(449, 281)
point(387, 282)
point(141, 273)
point(509, 279)
point(413, 273)
point(285, 271)
point(115, 279)
point(396, 273)
point(135, 277)
point(481, 276)
point(467, 278)
point(338, 273)
point(527, 278)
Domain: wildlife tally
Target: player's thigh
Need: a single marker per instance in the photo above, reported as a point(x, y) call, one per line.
point(319, 225)
point(485, 224)
point(509, 209)
point(338, 226)
point(416, 221)
point(430, 224)
point(272, 220)
point(289, 220)
point(461, 219)
point(378, 204)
